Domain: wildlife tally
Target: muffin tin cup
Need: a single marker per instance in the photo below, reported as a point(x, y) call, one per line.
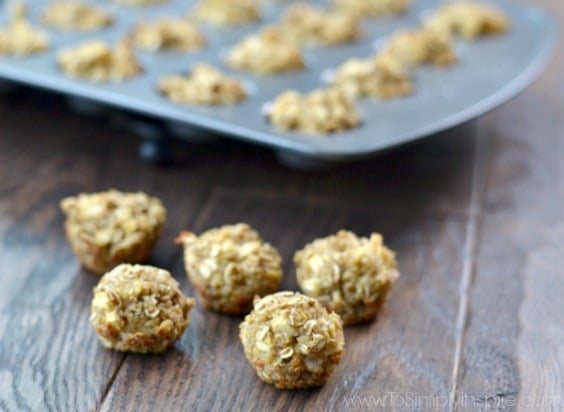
point(491, 70)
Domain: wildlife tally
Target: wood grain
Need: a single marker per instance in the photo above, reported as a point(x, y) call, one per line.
point(208, 368)
point(513, 355)
point(475, 215)
point(49, 356)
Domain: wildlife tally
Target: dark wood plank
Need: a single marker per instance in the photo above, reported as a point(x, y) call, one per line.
point(408, 350)
point(49, 356)
point(513, 345)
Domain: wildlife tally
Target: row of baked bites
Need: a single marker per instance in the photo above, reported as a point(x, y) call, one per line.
point(293, 340)
point(277, 49)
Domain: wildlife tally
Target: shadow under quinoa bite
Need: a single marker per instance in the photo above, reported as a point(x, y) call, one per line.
point(108, 228)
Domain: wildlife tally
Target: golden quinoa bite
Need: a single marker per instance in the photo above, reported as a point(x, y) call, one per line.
point(204, 85)
point(420, 46)
point(140, 3)
point(291, 341)
point(310, 24)
point(169, 34)
point(139, 309)
point(372, 8)
point(270, 51)
point(20, 38)
point(468, 19)
point(371, 77)
point(96, 61)
point(228, 12)
point(347, 274)
point(109, 228)
point(229, 266)
point(320, 112)
point(70, 15)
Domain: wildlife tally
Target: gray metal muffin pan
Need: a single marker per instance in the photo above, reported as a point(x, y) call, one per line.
point(491, 71)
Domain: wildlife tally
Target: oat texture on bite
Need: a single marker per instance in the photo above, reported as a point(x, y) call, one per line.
point(139, 309)
point(371, 77)
point(227, 12)
point(96, 61)
point(109, 228)
point(468, 19)
point(420, 46)
point(291, 341)
point(372, 8)
point(347, 274)
point(309, 24)
point(204, 85)
point(229, 266)
point(322, 111)
point(19, 38)
point(172, 34)
point(69, 15)
point(270, 51)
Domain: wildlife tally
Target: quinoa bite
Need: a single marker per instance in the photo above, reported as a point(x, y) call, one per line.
point(319, 112)
point(270, 51)
point(96, 61)
point(468, 19)
point(347, 274)
point(19, 37)
point(227, 12)
point(139, 309)
point(204, 85)
point(168, 34)
point(109, 228)
point(70, 15)
point(291, 341)
point(229, 266)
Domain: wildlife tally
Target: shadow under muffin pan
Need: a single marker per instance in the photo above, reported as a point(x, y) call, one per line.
point(491, 70)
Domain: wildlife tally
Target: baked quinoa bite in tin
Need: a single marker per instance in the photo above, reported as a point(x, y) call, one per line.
point(292, 341)
point(139, 309)
point(347, 274)
point(468, 19)
point(229, 266)
point(109, 228)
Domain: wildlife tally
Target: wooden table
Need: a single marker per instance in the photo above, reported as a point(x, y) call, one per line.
point(476, 320)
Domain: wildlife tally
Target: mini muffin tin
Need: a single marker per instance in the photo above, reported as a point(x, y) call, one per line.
point(491, 71)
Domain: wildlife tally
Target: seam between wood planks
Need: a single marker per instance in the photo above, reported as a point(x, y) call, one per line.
point(108, 387)
point(479, 179)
